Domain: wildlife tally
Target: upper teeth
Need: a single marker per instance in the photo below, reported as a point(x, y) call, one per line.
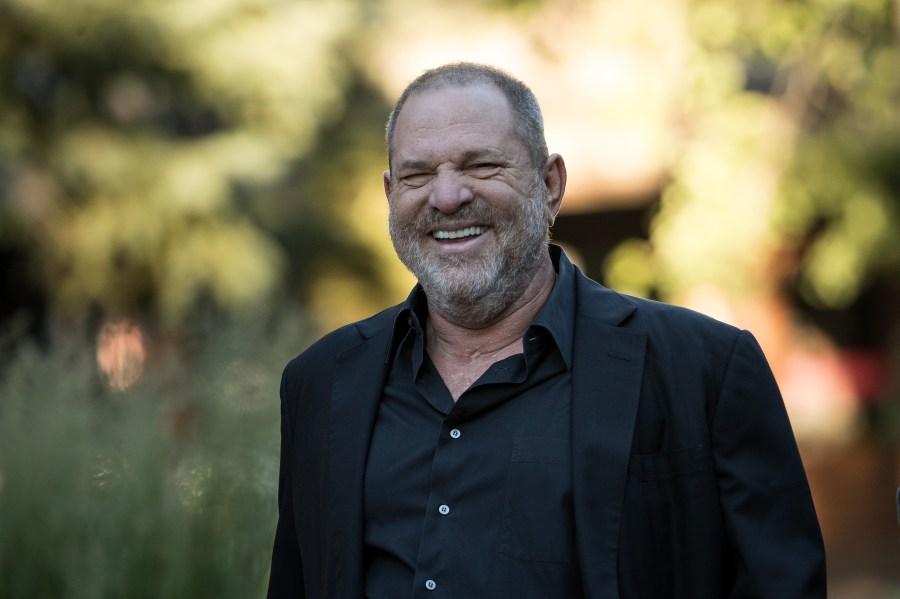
point(467, 232)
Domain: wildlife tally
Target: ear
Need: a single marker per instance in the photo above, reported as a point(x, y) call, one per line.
point(387, 184)
point(555, 182)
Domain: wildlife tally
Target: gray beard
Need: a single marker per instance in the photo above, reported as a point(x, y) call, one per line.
point(473, 292)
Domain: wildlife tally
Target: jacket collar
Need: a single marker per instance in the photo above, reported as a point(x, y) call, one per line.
point(606, 386)
point(359, 377)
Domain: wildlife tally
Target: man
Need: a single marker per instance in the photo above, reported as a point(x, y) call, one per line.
point(515, 429)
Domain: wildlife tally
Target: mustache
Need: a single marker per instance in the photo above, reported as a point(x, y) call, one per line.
point(467, 215)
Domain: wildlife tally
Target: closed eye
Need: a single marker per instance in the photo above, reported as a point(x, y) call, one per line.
point(415, 179)
point(484, 169)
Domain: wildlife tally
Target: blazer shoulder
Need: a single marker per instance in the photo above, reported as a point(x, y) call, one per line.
point(311, 371)
point(324, 350)
point(652, 313)
point(657, 320)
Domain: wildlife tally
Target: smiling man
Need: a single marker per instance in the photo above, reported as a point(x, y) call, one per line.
point(514, 429)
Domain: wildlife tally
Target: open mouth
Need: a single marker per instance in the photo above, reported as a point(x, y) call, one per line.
point(458, 233)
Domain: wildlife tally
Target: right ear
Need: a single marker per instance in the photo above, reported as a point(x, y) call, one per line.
point(387, 184)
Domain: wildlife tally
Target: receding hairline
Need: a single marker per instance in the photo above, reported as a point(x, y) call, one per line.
point(520, 101)
point(436, 90)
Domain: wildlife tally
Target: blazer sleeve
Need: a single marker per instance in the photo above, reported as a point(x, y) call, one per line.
point(769, 514)
point(286, 576)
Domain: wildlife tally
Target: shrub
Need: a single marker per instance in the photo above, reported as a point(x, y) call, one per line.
point(165, 490)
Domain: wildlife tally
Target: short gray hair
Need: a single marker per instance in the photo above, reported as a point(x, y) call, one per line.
point(530, 122)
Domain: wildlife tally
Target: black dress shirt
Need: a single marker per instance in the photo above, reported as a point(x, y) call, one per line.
point(474, 498)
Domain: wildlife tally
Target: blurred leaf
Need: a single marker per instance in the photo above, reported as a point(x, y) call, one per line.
point(144, 127)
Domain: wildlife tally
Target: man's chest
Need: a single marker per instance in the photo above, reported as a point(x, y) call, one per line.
point(482, 485)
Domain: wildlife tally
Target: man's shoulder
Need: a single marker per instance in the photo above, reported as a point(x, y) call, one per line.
point(348, 336)
point(647, 315)
point(675, 336)
point(658, 313)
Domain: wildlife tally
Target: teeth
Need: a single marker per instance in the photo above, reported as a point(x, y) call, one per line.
point(467, 232)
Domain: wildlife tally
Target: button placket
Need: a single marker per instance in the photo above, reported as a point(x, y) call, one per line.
point(432, 555)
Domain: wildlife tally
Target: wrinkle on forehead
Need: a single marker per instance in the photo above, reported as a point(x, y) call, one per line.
point(475, 117)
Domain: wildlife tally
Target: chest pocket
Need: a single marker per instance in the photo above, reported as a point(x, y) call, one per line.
point(538, 523)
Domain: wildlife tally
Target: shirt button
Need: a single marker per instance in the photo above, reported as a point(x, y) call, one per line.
point(444, 509)
point(455, 433)
point(430, 585)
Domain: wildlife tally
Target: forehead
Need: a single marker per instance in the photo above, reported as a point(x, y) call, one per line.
point(475, 117)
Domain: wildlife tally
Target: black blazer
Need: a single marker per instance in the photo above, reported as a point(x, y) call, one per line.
point(687, 482)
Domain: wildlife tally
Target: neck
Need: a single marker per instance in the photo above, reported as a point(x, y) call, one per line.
point(465, 343)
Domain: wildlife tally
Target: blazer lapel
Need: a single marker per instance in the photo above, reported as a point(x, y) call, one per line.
point(606, 385)
point(359, 377)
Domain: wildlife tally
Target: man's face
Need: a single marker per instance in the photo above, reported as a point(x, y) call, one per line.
point(468, 210)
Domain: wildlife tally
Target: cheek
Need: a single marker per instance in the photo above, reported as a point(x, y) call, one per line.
point(407, 201)
point(402, 215)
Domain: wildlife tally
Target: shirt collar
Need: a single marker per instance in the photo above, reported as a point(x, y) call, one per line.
point(411, 317)
point(556, 317)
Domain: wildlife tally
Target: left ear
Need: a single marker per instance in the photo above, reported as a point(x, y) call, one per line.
point(554, 177)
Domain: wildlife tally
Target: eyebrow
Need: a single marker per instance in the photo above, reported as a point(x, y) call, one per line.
point(412, 165)
point(472, 155)
point(467, 157)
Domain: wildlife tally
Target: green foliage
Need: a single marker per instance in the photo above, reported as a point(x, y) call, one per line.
point(130, 131)
point(798, 157)
point(845, 206)
point(166, 490)
point(162, 157)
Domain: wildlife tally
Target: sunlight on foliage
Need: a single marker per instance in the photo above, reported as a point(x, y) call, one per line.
point(631, 269)
point(713, 225)
point(126, 128)
point(840, 259)
point(808, 168)
point(136, 131)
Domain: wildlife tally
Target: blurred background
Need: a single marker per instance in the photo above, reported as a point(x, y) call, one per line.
point(190, 193)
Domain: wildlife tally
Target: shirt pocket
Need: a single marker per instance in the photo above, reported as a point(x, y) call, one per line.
point(538, 524)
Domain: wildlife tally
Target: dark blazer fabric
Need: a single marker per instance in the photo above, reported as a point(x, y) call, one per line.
point(687, 482)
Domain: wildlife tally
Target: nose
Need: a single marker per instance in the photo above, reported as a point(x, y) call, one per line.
point(449, 192)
